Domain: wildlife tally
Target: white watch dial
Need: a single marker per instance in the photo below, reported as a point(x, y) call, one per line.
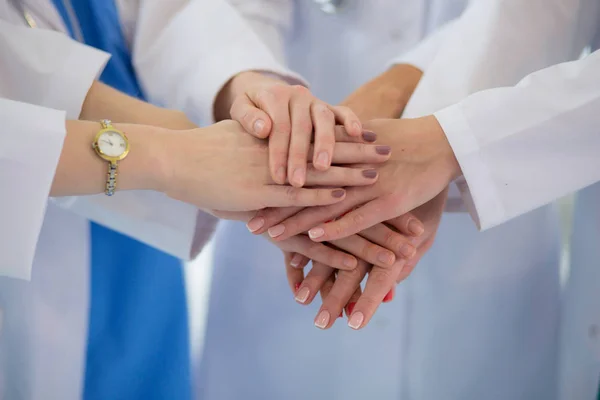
point(112, 144)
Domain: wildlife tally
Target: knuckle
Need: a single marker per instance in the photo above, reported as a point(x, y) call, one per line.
point(264, 95)
point(353, 275)
point(382, 277)
point(304, 125)
point(300, 90)
point(292, 193)
point(358, 218)
point(392, 240)
point(282, 127)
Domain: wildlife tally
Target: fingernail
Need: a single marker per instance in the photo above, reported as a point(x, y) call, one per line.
point(388, 297)
point(415, 227)
point(302, 295)
point(386, 257)
point(341, 314)
point(356, 126)
point(383, 150)
point(322, 319)
point(276, 230)
point(370, 173)
point(296, 286)
point(337, 193)
point(408, 250)
point(369, 136)
point(356, 320)
point(258, 126)
point(298, 176)
point(350, 308)
point(316, 233)
point(322, 159)
point(280, 174)
point(255, 224)
point(295, 261)
point(350, 262)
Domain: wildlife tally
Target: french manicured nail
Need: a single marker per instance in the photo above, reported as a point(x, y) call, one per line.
point(295, 261)
point(280, 174)
point(302, 295)
point(337, 193)
point(350, 308)
point(350, 262)
point(370, 173)
point(383, 150)
point(255, 224)
point(322, 319)
point(316, 233)
point(386, 257)
point(408, 250)
point(356, 320)
point(322, 159)
point(415, 227)
point(296, 286)
point(258, 126)
point(276, 230)
point(298, 176)
point(388, 297)
point(369, 136)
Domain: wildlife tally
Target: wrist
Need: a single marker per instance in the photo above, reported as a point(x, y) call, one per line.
point(446, 154)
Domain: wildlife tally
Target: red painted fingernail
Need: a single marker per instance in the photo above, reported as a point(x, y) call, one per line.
point(350, 308)
point(388, 297)
point(297, 286)
point(341, 314)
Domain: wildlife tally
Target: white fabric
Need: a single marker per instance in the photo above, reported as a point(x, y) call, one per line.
point(44, 324)
point(457, 327)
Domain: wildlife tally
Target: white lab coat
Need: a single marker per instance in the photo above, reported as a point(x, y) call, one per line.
point(466, 325)
point(521, 147)
point(43, 322)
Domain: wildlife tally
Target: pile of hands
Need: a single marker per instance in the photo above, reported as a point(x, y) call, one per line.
point(359, 197)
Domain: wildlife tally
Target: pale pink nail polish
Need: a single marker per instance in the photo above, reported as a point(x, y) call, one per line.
point(258, 126)
point(255, 224)
point(298, 177)
point(356, 320)
point(302, 295)
point(322, 319)
point(415, 227)
point(276, 230)
point(316, 233)
point(322, 159)
point(295, 261)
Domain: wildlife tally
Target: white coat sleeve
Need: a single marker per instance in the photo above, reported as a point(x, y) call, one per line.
point(186, 51)
point(522, 147)
point(272, 21)
point(32, 140)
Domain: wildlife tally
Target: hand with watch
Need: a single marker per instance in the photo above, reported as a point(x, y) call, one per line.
point(111, 145)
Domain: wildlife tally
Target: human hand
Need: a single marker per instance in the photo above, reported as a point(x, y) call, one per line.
point(288, 115)
point(222, 167)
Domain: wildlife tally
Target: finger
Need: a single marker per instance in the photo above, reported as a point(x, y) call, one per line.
point(388, 238)
point(313, 282)
point(266, 218)
point(294, 275)
point(355, 153)
point(341, 135)
point(346, 283)
point(318, 252)
point(341, 176)
point(275, 102)
point(407, 224)
point(366, 250)
point(254, 120)
point(288, 196)
point(379, 283)
point(324, 122)
point(310, 217)
point(355, 221)
point(327, 286)
point(352, 302)
point(301, 136)
point(346, 117)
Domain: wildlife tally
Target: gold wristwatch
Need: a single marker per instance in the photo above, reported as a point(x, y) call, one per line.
point(111, 145)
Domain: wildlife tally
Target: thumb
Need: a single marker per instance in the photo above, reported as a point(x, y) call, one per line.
point(254, 120)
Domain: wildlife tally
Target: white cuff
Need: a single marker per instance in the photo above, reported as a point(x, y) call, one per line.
point(477, 186)
point(33, 138)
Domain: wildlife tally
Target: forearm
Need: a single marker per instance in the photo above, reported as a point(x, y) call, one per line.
point(386, 95)
point(81, 172)
point(104, 102)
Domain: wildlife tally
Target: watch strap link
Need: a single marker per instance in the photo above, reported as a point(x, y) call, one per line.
point(111, 179)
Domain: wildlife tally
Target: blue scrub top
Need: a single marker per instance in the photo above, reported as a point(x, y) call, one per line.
point(138, 344)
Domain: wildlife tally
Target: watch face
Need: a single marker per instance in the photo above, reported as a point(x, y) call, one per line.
point(112, 144)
